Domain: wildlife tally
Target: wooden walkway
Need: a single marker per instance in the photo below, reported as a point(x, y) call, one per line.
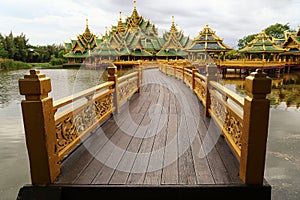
point(159, 138)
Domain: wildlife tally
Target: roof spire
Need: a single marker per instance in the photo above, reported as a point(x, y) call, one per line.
point(173, 27)
point(120, 27)
point(120, 15)
point(134, 3)
point(87, 30)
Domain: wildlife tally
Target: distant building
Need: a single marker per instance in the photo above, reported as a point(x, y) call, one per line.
point(80, 49)
point(262, 47)
point(207, 43)
point(137, 39)
point(292, 46)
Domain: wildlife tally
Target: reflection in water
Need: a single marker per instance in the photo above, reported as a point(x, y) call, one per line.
point(284, 91)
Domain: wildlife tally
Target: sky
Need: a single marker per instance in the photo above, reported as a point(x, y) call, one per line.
point(58, 21)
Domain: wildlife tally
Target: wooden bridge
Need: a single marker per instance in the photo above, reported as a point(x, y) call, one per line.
point(147, 135)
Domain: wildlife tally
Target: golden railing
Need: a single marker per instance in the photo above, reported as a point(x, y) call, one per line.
point(75, 122)
point(127, 86)
point(226, 108)
point(243, 121)
point(54, 129)
point(251, 63)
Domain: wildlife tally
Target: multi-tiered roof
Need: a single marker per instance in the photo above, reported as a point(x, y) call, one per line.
point(262, 43)
point(175, 42)
point(82, 47)
point(208, 41)
point(292, 43)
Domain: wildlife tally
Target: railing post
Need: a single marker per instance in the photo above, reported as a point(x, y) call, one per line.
point(174, 68)
point(212, 75)
point(140, 77)
point(166, 69)
point(193, 78)
point(182, 73)
point(113, 76)
point(255, 128)
point(39, 125)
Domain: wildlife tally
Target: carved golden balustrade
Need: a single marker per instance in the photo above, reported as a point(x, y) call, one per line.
point(226, 109)
point(87, 109)
point(128, 85)
point(53, 129)
point(243, 121)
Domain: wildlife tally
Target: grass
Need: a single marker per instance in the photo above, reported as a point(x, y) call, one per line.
point(9, 64)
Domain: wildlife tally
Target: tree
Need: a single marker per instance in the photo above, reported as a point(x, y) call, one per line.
point(21, 47)
point(277, 30)
point(3, 53)
point(245, 40)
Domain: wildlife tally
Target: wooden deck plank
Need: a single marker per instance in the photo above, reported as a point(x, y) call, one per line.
point(170, 170)
point(126, 163)
point(154, 169)
point(186, 166)
point(218, 170)
point(120, 144)
point(73, 166)
point(163, 147)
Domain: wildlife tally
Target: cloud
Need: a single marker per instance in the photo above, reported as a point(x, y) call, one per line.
point(48, 22)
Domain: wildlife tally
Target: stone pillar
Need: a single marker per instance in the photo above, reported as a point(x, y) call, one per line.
point(212, 75)
point(113, 76)
point(39, 125)
point(255, 128)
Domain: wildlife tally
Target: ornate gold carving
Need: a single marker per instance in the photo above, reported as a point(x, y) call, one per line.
point(125, 91)
point(188, 79)
point(71, 127)
point(200, 89)
point(234, 128)
point(170, 71)
point(218, 108)
point(232, 125)
point(179, 74)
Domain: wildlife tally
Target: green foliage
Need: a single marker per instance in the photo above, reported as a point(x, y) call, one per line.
point(57, 61)
point(41, 64)
point(275, 30)
point(233, 54)
point(17, 48)
point(7, 64)
point(3, 53)
point(245, 40)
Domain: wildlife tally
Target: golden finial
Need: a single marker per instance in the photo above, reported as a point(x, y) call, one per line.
point(120, 15)
point(134, 4)
point(173, 27)
point(87, 22)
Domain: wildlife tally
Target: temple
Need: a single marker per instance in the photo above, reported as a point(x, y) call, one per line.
point(262, 47)
point(207, 43)
point(78, 50)
point(135, 38)
point(292, 46)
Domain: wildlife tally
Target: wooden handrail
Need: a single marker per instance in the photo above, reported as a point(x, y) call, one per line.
point(228, 93)
point(72, 98)
point(243, 121)
point(200, 76)
point(128, 76)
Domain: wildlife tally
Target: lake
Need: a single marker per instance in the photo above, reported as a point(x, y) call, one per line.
point(283, 150)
